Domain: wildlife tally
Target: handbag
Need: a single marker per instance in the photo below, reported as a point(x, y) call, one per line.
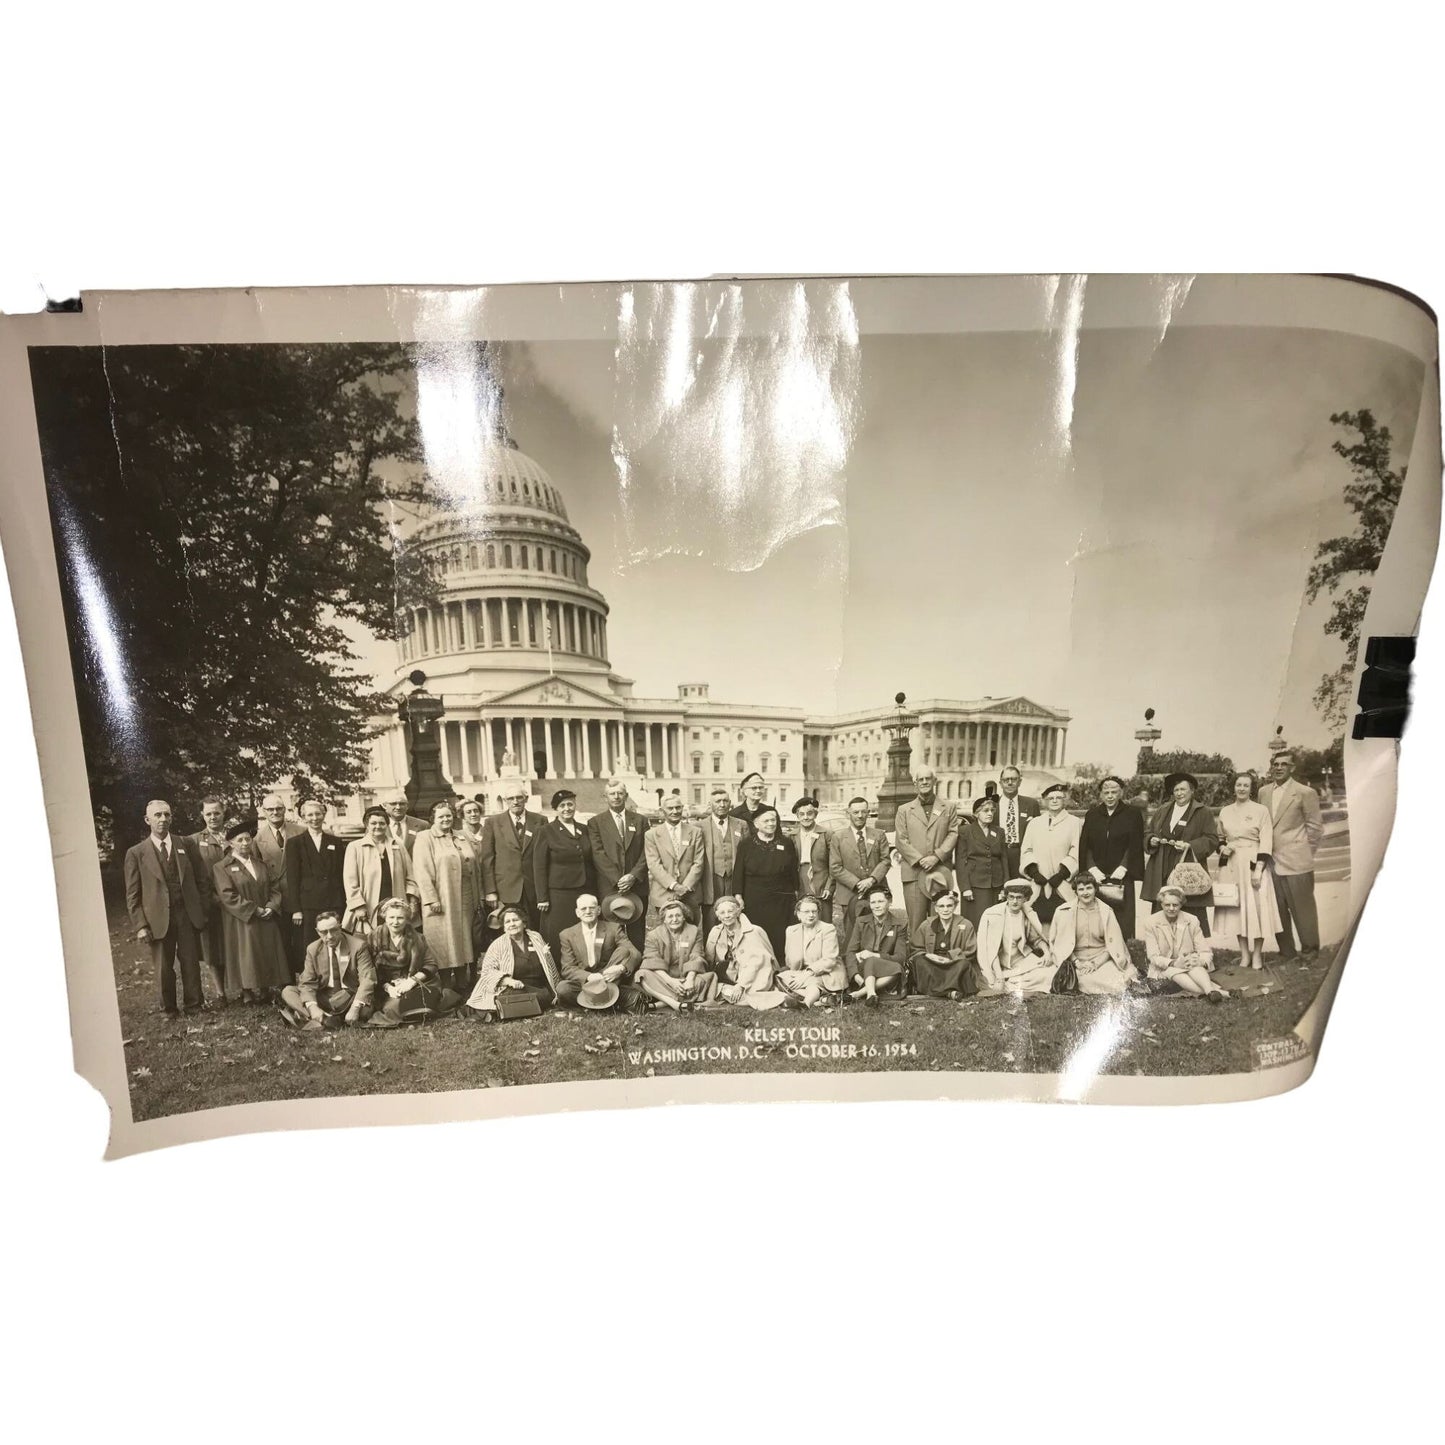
point(517, 1003)
point(1111, 890)
point(1191, 877)
point(1226, 893)
point(1066, 978)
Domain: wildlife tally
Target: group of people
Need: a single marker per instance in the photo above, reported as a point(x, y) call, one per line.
point(510, 912)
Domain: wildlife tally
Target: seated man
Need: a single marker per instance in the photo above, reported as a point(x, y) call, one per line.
point(673, 970)
point(877, 953)
point(1179, 954)
point(942, 952)
point(338, 980)
point(1013, 954)
point(1086, 933)
point(812, 964)
point(597, 952)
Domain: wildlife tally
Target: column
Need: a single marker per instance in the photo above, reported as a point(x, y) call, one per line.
point(567, 747)
point(587, 769)
point(1063, 739)
point(445, 753)
point(488, 770)
point(547, 747)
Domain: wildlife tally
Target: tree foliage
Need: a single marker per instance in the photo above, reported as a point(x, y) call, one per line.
point(219, 519)
point(1084, 788)
point(1372, 494)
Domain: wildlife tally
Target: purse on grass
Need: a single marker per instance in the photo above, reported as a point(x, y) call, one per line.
point(517, 1003)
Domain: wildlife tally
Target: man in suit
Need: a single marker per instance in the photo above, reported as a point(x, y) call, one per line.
point(212, 846)
point(338, 979)
point(168, 896)
point(926, 830)
point(593, 952)
point(1111, 847)
point(675, 859)
point(315, 881)
point(1014, 812)
point(401, 827)
point(1294, 808)
point(721, 835)
point(858, 857)
point(273, 832)
point(505, 853)
point(814, 879)
point(619, 852)
point(375, 868)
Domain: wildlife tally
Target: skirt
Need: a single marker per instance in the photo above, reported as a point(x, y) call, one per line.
point(1257, 916)
point(938, 979)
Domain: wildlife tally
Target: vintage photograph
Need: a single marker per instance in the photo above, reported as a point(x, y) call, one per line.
point(747, 690)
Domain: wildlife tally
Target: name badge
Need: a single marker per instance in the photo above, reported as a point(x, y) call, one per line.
point(780, 847)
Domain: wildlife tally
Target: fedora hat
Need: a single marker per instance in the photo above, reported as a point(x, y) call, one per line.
point(937, 882)
point(597, 993)
point(494, 918)
point(621, 908)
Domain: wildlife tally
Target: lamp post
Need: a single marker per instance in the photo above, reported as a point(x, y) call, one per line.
point(898, 785)
point(421, 713)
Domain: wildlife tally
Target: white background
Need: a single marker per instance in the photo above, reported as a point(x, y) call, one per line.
point(1264, 1270)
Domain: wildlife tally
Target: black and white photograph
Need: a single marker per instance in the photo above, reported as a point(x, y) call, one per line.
point(747, 683)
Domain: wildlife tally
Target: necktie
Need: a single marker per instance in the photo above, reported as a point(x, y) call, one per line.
point(1013, 822)
point(862, 847)
point(332, 951)
point(385, 875)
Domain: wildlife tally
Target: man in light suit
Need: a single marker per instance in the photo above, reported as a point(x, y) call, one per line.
point(721, 835)
point(272, 834)
point(315, 880)
point(814, 879)
point(1014, 812)
point(619, 854)
point(375, 868)
point(675, 857)
point(505, 853)
point(168, 895)
point(857, 858)
point(594, 951)
point(1294, 808)
point(926, 831)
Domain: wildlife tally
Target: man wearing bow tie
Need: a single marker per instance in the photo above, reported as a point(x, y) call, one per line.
point(315, 878)
point(505, 853)
point(168, 894)
point(618, 853)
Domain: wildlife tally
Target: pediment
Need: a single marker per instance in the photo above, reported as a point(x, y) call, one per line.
point(1022, 707)
point(553, 692)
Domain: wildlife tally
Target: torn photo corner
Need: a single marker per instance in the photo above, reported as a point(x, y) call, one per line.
point(463, 702)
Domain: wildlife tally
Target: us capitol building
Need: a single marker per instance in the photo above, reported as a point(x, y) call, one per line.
point(516, 648)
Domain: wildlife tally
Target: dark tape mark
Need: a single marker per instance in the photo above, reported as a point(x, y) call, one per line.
point(1385, 687)
point(66, 305)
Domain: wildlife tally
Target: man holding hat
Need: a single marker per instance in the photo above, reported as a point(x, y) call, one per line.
point(814, 879)
point(1050, 852)
point(598, 962)
point(619, 856)
point(926, 831)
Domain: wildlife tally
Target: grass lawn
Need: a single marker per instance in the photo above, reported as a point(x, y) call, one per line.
point(246, 1055)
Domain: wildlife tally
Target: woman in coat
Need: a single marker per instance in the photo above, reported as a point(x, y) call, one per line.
point(1111, 848)
point(1050, 852)
point(519, 959)
point(1013, 954)
point(1244, 860)
point(741, 956)
point(674, 968)
point(561, 868)
point(980, 860)
point(1179, 958)
point(942, 953)
point(1181, 829)
point(445, 867)
point(256, 966)
point(1086, 934)
point(765, 877)
point(877, 953)
point(812, 964)
point(407, 977)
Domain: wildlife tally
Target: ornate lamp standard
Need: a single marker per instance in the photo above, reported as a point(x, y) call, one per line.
point(898, 785)
point(421, 713)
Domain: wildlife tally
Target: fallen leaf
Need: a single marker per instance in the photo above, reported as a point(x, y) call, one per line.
point(532, 1053)
point(494, 1083)
point(337, 1059)
point(1008, 1058)
point(241, 1030)
point(894, 1024)
point(366, 1063)
point(124, 1042)
point(141, 1073)
point(263, 1068)
point(534, 1042)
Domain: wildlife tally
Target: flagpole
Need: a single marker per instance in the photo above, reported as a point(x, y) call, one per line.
point(547, 622)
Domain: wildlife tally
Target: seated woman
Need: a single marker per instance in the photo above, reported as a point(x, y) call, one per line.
point(673, 970)
point(812, 964)
point(1013, 954)
point(520, 958)
point(1179, 958)
point(1087, 932)
point(255, 952)
point(408, 986)
point(942, 952)
point(740, 953)
point(877, 953)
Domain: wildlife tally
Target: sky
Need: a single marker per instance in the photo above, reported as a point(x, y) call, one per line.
point(822, 521)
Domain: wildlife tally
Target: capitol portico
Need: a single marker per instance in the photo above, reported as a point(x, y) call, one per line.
point(515, 644)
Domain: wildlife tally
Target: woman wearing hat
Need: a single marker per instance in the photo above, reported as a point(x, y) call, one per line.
point(1182, 829)
point(407, 977)
point(447, 878)
point(1244, 858)
point(1013, 953)
point(255, 952)
point(877, 953)
point(1050, 852)
point(980, 860)
point(1086, 933)
point(752, 788)
point(519, 959)
point(942, 952)
point(765, 877)
point(1179, 958)
point(561, 867)
point(742, 957)
point(812, 965)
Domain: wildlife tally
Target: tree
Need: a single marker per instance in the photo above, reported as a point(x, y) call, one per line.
point(218, 518)
point(1084, 790)
point(1372, 495)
